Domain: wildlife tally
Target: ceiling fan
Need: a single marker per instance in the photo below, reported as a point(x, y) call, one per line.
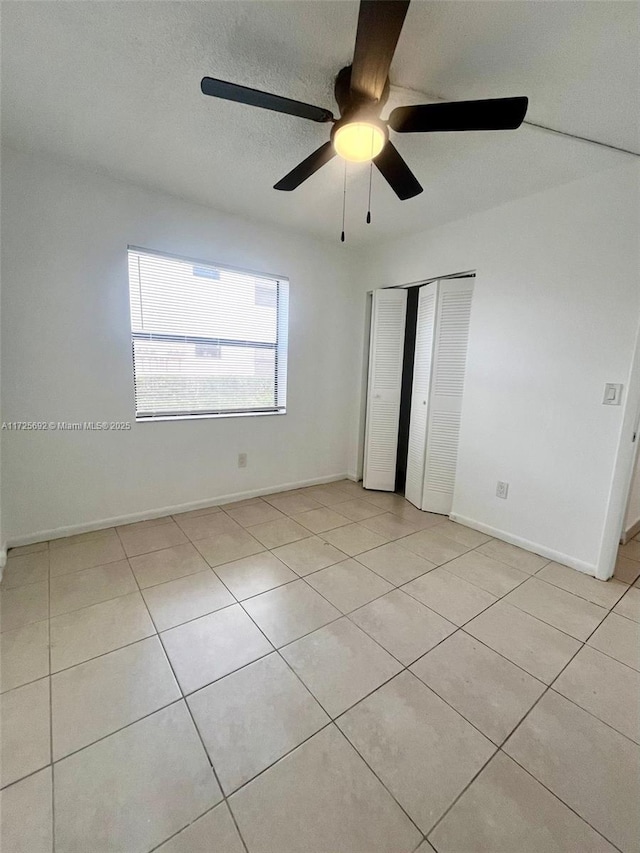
point(361, 91)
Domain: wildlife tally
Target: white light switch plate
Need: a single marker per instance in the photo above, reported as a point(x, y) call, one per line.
point(612, 394)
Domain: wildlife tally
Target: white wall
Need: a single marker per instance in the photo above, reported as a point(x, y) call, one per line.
point(555, 316)
point(66, 354)
point(556, 310)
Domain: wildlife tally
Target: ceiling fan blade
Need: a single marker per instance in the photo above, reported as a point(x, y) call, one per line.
point(379, 25)
point(305, 169)
point(489, 114)
point(265, 100)
point(396, 172)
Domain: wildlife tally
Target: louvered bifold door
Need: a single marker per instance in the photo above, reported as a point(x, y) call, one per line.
point(453, 312)
point(388, 317)
point(422, 364)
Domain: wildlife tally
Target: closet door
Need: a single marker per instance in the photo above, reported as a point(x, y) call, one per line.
point(422, 364)
point(388, 317)
point(453, 313)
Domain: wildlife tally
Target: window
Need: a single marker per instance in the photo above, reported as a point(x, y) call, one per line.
point(207, 340)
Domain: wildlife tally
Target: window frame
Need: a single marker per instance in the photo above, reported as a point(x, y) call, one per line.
point(281, 341)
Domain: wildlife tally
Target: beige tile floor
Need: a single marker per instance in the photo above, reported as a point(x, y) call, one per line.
point(325, 670)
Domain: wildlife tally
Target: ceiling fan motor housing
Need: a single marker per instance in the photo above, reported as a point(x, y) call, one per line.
point(354, 106)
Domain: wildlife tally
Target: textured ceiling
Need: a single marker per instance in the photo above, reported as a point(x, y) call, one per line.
point(115, 86)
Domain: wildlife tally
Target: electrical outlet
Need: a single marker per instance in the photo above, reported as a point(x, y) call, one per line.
point(242, 460)
point(502, 489)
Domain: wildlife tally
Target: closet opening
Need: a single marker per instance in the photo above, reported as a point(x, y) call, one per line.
point(405, 390)
point(417, 362)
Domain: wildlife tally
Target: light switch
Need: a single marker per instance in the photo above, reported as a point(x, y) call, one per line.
point(612, 394)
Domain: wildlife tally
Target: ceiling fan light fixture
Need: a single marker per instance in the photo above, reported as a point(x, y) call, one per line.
point(361, 91)
point(359, 141)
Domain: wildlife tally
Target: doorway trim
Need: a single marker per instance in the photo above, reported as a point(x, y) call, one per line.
point(622, 472)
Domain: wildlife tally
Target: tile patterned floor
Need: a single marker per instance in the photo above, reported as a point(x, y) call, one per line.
point(324, 670)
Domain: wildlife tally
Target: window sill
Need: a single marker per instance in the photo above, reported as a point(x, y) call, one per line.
point(165, 418)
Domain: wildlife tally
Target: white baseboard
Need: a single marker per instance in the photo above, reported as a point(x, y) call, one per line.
point(630, 532)
point(534, 547)
point(99, 524)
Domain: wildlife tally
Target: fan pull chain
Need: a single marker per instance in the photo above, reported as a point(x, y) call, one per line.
point(344, 200)
point(369, 205)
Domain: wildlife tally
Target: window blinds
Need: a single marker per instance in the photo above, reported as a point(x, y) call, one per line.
point(207, 340)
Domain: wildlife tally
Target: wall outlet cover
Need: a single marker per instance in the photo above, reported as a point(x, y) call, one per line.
point(242, 460)
point(502, 489)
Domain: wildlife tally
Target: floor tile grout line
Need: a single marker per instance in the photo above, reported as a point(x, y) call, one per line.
point(366, 763)
point(606, 654)
point(557, 797)
point(398, 540)
point(501, 749)
point(624, 616)
point(185, 696)
point(329, 723)
point(460, 628)
point(586, 711)
point(28, 775)
point(281, 758)
point(363, 698)
point(104, 654)
point(49, 644)
point(208, 684)
point(6, 589)
point(542, 621)
point(88, 568)
point(624, 594)
point(609, 610)
point(302, 577)
point(535, 704)
point(407, 668)
point(207, 568)
point(159, 633)
point(188, 709)
point(184, 828)
point(468, 621)
point(331, 719)
point(220, 508)
point(155, 550)
point(276, 651)
point(347, 614)
point(527, 577)
point(55, 761)
point(101, 601)
point(549, 685)
point(423, 684)
point(584, 643)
